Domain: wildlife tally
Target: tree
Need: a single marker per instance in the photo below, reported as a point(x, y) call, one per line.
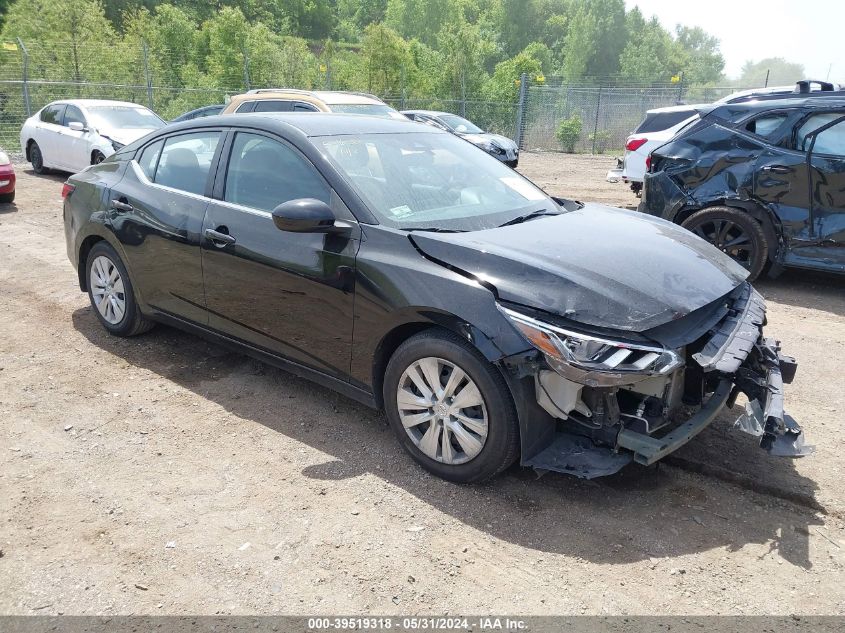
point(651, 56)
point(68, 40)
point(780, 71)
point(701, 60)
point(386, 60)
point(462, 47)
point(504, 84)
point(580, 44)
point(422, 20)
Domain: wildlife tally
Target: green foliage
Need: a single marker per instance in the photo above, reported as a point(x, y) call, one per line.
point(386, 60)
point(504, 84)
point(600, 140)
point(568, 132)
point(781, 72)
point(197, 51)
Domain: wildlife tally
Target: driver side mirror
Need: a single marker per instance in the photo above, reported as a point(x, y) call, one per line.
point(306, 215)
point(76, 126)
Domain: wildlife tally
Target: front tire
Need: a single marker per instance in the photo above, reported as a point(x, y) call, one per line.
point(450, 408)
point(97, 157)
point(36, 158)
point(111, 294)
point(735, 233)
point(7, 197)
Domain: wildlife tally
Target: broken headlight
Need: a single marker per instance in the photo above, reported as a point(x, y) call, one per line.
point(591, 360)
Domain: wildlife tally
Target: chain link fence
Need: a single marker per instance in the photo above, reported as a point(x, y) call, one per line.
point(599, 115)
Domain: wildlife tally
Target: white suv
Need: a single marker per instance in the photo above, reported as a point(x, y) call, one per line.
point(658, 127)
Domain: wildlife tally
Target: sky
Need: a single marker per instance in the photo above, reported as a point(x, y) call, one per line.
point(809, 32)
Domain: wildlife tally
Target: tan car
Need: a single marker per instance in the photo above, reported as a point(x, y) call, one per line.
point(289, 100)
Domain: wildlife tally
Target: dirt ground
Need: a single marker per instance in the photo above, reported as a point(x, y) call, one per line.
point(165, 475)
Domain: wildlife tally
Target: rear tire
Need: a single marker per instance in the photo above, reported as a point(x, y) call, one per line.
point(36, 158)
point(7, 197)
point(467, 433)
point(735, 233)
point(111, 294)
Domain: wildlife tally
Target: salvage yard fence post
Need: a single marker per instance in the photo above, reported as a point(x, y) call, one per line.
point(596, 123)
point(148, 76)
point(25, 77)
point(519, 133)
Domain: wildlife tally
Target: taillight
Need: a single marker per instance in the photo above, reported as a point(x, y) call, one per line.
point(67, 189)
point(634, 144)
point(648, 163)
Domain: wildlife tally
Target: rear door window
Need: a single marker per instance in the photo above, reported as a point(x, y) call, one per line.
point(248, 106)
point(766, 125)
point(659, 121)
point(273, 106)
point(186, 160)
point(53, 114)
point(149, 159)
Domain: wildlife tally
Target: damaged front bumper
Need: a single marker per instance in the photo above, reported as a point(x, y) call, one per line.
point(732, 358)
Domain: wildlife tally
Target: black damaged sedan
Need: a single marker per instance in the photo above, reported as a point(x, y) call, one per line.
point(409, 270)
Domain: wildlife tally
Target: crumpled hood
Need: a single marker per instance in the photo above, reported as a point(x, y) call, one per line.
point(598, 265)
point(123, 135)
point(479, 139)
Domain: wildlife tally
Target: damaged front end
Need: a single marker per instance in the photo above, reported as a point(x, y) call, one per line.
point(618, 399)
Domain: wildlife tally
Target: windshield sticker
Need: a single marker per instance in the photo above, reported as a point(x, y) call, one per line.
point(401, 212)
point(523, 188)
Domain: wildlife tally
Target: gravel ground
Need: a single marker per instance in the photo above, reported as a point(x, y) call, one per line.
point(165, 475)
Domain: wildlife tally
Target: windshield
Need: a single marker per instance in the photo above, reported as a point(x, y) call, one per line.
point(460, 124)
point(372, 109)
point(117, 117)
point(432, 181)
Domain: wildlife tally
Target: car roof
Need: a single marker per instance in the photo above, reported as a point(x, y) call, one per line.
point(737, 111)
point(329, 97)
point(88, 103)
point(310, 124)
point(677, 108)
point(428, 112)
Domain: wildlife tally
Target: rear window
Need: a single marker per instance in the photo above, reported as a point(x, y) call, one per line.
point(659, 121)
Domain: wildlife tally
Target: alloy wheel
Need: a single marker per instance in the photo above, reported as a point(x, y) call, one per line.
point(107, 290)
point(728, 237)
point(442, 411)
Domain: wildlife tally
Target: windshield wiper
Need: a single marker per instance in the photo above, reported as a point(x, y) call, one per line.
point(529, 216)
point(432, 229)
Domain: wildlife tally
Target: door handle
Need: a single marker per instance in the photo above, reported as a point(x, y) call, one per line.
point(125, 207)
point(777, 169)
point(220, 240)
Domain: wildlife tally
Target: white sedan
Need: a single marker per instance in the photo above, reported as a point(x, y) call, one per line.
point(71, 134)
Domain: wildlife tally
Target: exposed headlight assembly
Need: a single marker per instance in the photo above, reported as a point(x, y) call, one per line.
point(591, 360)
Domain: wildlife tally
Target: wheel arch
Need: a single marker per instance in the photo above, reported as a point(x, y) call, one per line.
point(82, 257)
point(420, 322)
